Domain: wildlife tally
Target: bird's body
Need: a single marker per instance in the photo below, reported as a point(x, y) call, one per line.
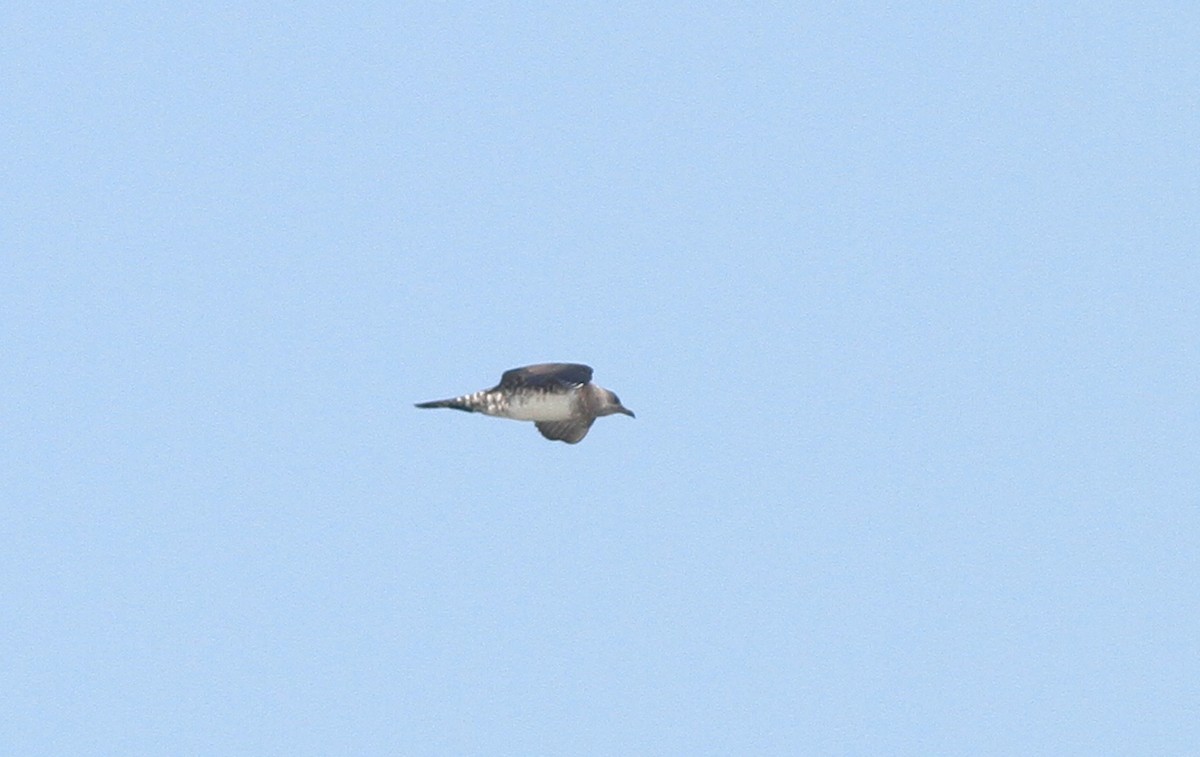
point(559, 398)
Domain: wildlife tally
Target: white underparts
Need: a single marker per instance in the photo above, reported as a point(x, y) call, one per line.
point(541, 406)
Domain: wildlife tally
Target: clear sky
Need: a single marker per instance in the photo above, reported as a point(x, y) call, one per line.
point(906, 300)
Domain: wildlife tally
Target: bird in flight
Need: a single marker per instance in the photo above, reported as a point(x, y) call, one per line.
point(559, 398)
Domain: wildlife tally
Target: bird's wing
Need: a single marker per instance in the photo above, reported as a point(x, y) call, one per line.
point(546, 375)
point(571, 432)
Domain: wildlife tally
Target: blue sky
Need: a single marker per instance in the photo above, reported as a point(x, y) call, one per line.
point(907, 301)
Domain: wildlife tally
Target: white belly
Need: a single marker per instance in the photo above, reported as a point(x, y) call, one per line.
point(542, 407)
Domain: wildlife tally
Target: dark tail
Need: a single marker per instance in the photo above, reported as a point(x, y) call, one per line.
point(454, 404)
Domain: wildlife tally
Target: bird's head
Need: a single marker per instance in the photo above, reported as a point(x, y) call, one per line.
point(612, 404)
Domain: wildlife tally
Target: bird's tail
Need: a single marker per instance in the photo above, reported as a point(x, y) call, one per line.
point(458, 403)
point(485, 401)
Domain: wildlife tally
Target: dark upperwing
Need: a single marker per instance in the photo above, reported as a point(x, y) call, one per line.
point(546, 375)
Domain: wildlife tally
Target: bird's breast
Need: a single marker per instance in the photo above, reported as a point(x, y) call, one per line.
point(541, 406)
